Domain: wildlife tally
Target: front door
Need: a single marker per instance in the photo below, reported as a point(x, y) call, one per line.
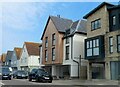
point(115, 70)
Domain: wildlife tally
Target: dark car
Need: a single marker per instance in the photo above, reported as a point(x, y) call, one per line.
point(5, 73)
point(40, 75)
point(20, 74)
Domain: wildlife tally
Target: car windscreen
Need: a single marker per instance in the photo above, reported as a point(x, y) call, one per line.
point(5, 70)
point(43, 72)
point(22, 72)
point(34, 70)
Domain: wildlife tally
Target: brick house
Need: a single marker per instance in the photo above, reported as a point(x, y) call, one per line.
point(57, 61)
point(102, 42)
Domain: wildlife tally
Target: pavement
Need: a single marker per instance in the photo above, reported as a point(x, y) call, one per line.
point(62, 83)
point(87, 82)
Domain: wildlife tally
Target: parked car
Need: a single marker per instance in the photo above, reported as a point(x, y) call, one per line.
point(40, 75)
point(20, 74)
point(5, 73)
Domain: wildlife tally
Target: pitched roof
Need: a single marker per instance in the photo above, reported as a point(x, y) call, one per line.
point(114, 7)
point(97, 8)
point(3, 57)
point(61, 24)
point(18, 52)
point(9, 54)
point(74, 24)
point(81, 27)
point(78, 26)
point(32, 48)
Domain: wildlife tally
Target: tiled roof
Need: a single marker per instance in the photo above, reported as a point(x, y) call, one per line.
point(3, 57)
point(82, 26)
point(18, 52)
point(74, 24)
point(61, 24)
point(32, 48)
point(9, 55)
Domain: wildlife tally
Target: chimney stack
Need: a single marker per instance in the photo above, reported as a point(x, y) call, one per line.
point(58, 16)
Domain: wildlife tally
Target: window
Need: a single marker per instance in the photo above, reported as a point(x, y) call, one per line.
point(53, 39)
point(96, 47)
point(95, 24)
point(53, 53)
point(93, 47)
point(46, 55)
point(46, 42)
point(89, 48)
point(68, 32)
point(113, 20)
point(118, 43)
point(67, 40)
point(111, 44)
point(67, 52)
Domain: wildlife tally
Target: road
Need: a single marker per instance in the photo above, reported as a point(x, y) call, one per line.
point(26, 83)
point(55, 83)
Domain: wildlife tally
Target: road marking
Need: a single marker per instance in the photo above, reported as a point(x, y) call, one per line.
point(21, 79)
point(2, 83)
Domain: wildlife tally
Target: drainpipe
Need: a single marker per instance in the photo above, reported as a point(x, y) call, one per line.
point(72, 55)
point(78, 66)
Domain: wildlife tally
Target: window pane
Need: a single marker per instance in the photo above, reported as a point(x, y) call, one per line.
point(97, 42)
point(95, 51)
point(67, 52)
point(87, 44)
point(99, 23)
point(95, 24)
point(118, 48)
point(89, 52)
point(53, 53)
point(111, 49)
point(114, 20)
point(111, 40)
point(90, 44)
point(67, 40)
point(92, 25)
point(94, 43)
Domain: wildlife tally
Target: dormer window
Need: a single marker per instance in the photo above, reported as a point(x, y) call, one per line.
point(67, 32)
point(67, 40)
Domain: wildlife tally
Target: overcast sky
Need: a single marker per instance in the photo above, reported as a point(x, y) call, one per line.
point(25, 21)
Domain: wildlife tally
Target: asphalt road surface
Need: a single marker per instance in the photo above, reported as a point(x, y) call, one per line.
point(26, 83)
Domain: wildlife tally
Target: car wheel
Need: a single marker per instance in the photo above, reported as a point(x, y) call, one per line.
point(50, 81)
point(30, 79)
point(37, 80)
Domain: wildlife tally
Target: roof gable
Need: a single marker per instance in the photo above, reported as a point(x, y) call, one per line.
point(18, 52)
point(97, 8)
point(60, 23)
point(3, 57)
point(32, 48)
point(9, 55)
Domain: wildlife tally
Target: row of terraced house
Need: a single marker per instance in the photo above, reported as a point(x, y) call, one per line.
point(86, 49)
